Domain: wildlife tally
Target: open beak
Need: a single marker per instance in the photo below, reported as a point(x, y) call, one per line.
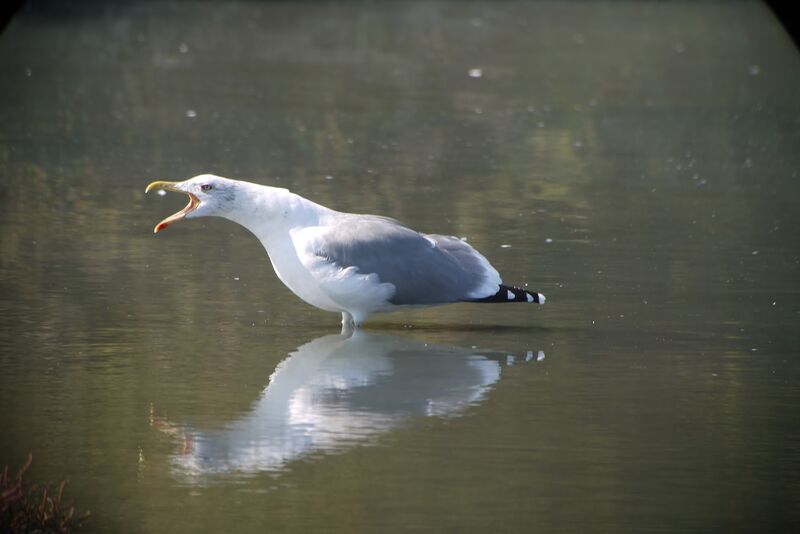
point(190, 207)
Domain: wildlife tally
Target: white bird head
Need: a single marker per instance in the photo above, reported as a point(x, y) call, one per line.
point(209, 195)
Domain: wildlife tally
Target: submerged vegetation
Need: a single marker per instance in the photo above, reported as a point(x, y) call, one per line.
point(28, 507)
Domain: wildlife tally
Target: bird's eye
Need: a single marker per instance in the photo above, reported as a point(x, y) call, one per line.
point(206, 187)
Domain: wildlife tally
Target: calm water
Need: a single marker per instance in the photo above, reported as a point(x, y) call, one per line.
point(635, 162)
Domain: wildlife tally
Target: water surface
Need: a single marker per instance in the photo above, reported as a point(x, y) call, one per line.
point(635, 162)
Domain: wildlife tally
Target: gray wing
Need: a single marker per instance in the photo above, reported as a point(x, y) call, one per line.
point(424, 268)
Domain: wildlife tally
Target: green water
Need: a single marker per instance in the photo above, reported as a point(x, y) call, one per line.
point(637, 163)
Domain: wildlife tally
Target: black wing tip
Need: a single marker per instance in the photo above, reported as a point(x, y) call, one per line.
point(512, 294)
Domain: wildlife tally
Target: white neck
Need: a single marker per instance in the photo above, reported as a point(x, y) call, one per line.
point(273, 215)
point(271, 212)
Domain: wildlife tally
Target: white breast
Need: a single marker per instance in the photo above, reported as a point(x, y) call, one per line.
point(349, 290)
point(291, 271)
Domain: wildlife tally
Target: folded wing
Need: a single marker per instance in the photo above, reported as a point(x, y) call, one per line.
point(422, 268)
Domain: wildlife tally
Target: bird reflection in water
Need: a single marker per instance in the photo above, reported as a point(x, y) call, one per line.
point(335, 392)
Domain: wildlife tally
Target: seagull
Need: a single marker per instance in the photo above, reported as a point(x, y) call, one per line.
point(347, 263)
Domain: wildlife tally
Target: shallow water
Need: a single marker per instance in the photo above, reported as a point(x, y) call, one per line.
point(635, 162)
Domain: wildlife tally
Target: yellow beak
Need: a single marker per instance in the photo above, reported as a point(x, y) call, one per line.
point(170, 186)
point(158, 184)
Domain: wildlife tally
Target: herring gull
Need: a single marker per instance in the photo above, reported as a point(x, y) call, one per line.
point(356, 265)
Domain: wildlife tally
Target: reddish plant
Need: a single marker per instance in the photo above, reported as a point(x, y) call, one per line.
point(27, 507)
